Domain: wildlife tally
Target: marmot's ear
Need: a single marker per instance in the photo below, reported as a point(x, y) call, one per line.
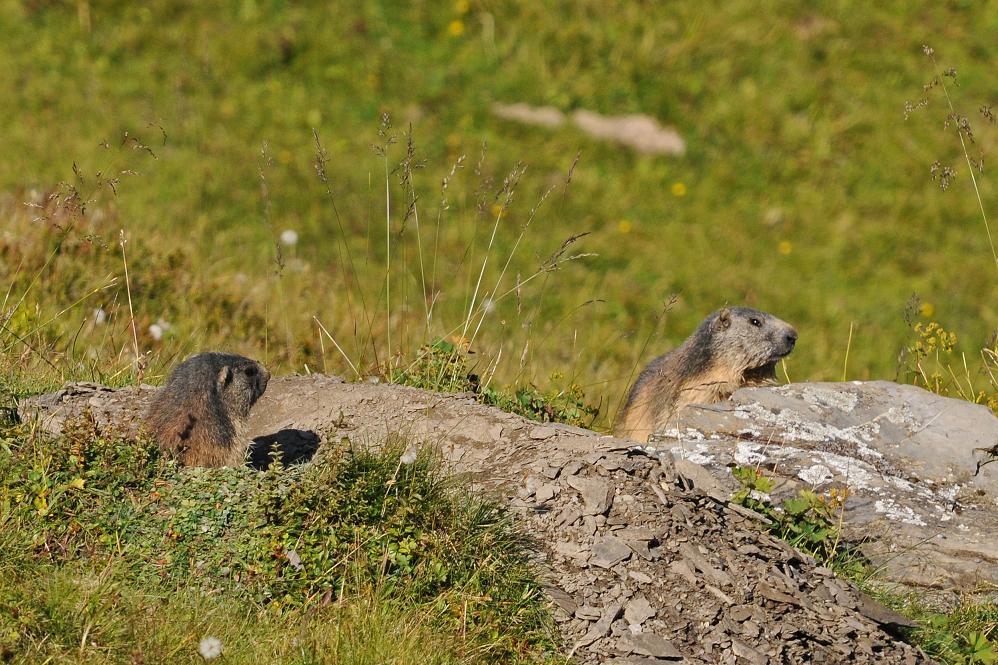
point(724, 318)
point(224, 376)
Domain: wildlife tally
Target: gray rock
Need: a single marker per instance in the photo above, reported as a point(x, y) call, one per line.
point(638, 610)
point(602, 627)
point(918, 498)
point(649, 644)
point(596, 494)
point(608, 551)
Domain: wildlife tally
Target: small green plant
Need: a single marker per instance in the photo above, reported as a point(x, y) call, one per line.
point(929, 362)
point(810, 521)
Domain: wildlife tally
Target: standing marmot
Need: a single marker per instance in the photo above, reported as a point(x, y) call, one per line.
point(731, 348)
point(197, 415)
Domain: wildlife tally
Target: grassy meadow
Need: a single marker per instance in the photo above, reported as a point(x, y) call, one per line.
point(804, 190)
point(325, 187)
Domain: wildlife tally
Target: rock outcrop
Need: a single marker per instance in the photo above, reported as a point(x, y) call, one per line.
point(922, 495)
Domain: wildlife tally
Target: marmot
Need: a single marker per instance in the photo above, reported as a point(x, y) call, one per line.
point(197, 415)
point(731, 348)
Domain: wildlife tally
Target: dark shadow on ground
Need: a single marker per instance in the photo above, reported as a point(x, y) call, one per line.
point(293, 446)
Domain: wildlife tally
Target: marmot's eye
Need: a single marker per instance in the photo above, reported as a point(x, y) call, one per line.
point(251, 371)
point(755, 322)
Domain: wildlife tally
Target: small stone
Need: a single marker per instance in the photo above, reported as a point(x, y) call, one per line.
point(541, 433)
point(545, 493)
point(601, 627)
point(871, 609)
point(635, 533)
point(766, 590)
point(572, 551)
point(693, 555)
point(588, 612)
point(750, 550)
point(567, 517)
point(551, 472)
point(562, 599)
point(638, 576)
point(649, 644)
point(740, 613)
point(595, 493)
point(720, 595)
point(743, 650)
point(640, 547)
point(638, 610)
point(683, 569)
point(609, 551)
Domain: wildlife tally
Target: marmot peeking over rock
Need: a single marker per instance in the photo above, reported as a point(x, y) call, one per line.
point(197, 415)
point(731, 348)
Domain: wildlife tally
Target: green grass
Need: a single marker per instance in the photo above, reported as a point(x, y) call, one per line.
point(357, 557)
point(793, 117)
point(82, 613)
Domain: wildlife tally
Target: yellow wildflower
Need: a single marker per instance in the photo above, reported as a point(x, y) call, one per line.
point(785, 247)
point(624, 226)
point(455, 28)
point(678, 189)
point(927, 309)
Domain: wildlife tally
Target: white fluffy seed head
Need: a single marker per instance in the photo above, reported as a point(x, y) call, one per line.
point(210, 648)
point(289, 237)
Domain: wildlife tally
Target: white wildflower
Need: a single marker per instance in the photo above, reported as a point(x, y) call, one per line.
point(409, 456)
point(488, 305)
point(289, 237)
point(156, 331)
point(100, 316)
point(210, 647)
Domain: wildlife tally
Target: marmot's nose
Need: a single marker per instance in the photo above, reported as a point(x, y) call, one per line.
point(791, 337)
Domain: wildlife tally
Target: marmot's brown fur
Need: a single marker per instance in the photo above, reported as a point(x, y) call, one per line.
point(197, 415)
point(731, 348)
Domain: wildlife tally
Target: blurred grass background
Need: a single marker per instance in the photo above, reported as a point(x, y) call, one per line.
point(804, 191)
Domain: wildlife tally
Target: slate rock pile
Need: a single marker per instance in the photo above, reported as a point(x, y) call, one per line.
point(645, 570)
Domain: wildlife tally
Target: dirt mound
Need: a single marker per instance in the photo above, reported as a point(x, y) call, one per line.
point(645, 563)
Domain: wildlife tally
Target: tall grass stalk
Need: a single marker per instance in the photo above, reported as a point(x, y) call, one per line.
point(131, 312)
point(961, 129)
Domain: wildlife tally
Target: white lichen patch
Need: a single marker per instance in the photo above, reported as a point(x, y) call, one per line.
point(824, 399)
point(901, 415)
point(750, 452)
point(816, 474)
point(794, 426)
point(747, 454)
point(855, 474)
point(898, 513)
point(688, 434)
point(948, 494)
point(698, 454)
